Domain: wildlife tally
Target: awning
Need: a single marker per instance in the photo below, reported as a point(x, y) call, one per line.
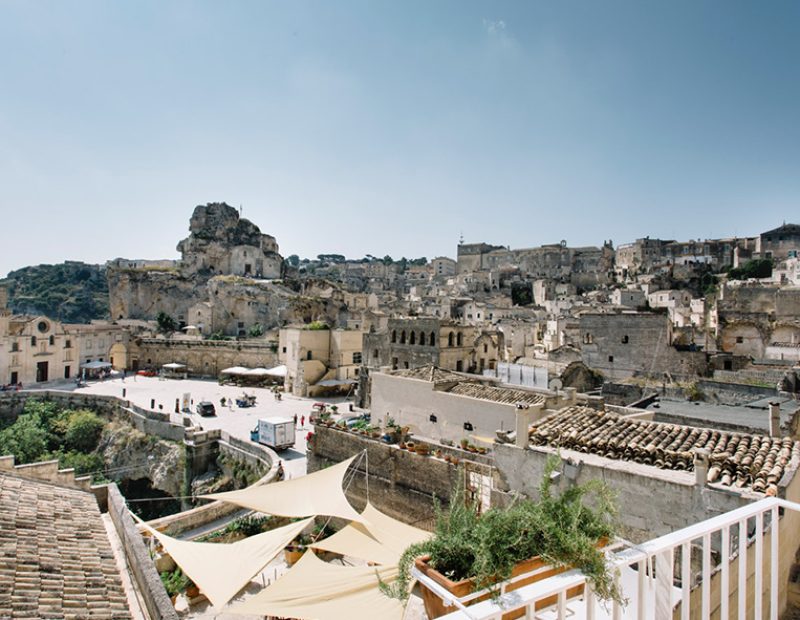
point(335, 382)
point(174, 366)
point(234, 370)
point(256, 372)
point(95, 365)
point(220, 570)
point(320, 493)
point(315, 590)
point(381, 539)
point(277, 371)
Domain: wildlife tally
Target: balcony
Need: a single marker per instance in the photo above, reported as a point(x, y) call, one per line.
point(708, 570)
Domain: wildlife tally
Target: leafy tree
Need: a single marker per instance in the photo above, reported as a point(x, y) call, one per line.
point(521, 293)
point(387, 260)
point(83, 431)
point(256, 330)
point(166, 324)
point(26, 439)
point(752, 269)
point(293, 260)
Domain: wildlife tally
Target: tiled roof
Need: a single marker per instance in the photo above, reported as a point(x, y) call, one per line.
point(55, 557)
point(429, 373)
point(499, 395)
point(738, 460)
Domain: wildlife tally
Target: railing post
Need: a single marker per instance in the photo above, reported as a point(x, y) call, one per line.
point(759, 566)
point(686, 579)
point(591, 602)
point(774, 564)
point(664, 567)
point(706, 584)
point(641, 585)
point(725, 544)
point(742, 570)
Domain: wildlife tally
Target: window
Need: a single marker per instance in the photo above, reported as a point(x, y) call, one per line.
point(68, 344)
point(433, 339)
point(739, 339)
point(52, 340)
point(625, 339)
point(33, 341)
point(375, 353)
point(610, 358)
point(394, 335)
point(459, 339)
point(394, 363)
point(450, 339)
point(308, 355)
point(459, 366)
point(241, 324)
point(403, 337)
point(284, 349)
point(412, 338)
point(405, 364)
point(14, 346)
point(422, 339)
point(485, 348)
point(66, 372)
point(357, 357)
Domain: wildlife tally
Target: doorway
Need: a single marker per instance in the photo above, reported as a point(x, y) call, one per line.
point(41, 371)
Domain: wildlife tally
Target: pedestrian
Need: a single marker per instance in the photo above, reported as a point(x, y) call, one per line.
point(302, 421)
point(295, 419)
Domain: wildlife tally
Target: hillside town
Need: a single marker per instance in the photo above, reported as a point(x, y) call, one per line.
point(668, 369)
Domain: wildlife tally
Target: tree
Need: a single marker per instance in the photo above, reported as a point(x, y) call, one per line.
point(387, 260)
point(26, 439)
point(83, 431)
point(256, 330)
point(166, 324)
point(293, 260)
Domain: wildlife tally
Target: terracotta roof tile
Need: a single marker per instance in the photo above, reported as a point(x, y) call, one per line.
point(55, 557)
point(738, 460)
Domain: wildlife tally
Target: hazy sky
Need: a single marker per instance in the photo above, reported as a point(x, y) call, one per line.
point(392, 127)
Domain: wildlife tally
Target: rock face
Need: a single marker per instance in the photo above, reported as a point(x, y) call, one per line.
point(221, 242)
point(135, 455)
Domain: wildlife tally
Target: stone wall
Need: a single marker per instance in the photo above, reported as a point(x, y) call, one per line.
point(205, 358)
point(652, 501)
point(402, 484)
point(137, 557)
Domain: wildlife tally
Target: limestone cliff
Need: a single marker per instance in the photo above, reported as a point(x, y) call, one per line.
point(131, 454)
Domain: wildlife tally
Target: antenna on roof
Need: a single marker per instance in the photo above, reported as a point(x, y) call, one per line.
point(240, 209)
point(461, 238)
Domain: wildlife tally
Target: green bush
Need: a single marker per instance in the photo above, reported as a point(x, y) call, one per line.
point(26, 439)
point(83, 431)
point(175, 582)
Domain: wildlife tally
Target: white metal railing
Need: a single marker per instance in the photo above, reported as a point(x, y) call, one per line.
point(646, 574)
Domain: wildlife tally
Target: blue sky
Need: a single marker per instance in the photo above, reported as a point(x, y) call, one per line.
point(393, 127)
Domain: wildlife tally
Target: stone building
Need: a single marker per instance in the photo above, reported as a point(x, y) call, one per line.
point(780, 243)
point(36, 349)
point(441, 266)
point(312, 356)
point(419, 341)
point(620, 345)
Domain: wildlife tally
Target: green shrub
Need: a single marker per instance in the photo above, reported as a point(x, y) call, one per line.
point(175, 582)
point(83, 431)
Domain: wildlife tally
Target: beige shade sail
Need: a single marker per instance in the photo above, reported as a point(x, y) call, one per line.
point(381, 539)
point(320, 493)
point(220, 570)
point(315, 590)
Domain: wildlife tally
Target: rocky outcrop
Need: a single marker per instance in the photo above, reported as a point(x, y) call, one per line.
point(133, 455)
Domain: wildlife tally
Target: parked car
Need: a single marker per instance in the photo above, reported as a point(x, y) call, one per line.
point(206, 408)
point(147, 373)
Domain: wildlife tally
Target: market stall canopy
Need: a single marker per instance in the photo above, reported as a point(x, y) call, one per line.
point(220, 570)
point(320, 493)
point(233, 370)
point(96, 365)
point(174, 366)
point(380, 539)
point(277, 371)
point(256, 372)
point(315, 590)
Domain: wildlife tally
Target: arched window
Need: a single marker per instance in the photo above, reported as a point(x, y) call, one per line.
point(403, 337)
point(412, 338)
point(394, 335)
point(459, 339)
point(433, 339)
point(422, 339)
point(450, 339)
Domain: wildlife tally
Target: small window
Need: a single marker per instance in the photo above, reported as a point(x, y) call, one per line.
point(308, 355)
point(625, 339)
point(52, 340)
point(14, 346)
point(68, 344)
point(375, 353)
point(284, 349)
point(241, 324)
point(485, 348)
point(357, 357)
point(33, 341)
point(610, 358)
point(739, 339)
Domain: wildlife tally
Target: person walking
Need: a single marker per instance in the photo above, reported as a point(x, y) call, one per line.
point(295, 419)
point(302, 421)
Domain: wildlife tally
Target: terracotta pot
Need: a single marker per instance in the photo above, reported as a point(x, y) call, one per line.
point(292, 555)
point(435, 607)
point(192, 591)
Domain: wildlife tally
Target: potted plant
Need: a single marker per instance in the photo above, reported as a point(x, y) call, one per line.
point(464, 443)
point(293, 552)
point(469, 552)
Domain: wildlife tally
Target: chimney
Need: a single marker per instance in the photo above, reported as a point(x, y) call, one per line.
point(701, 466)
point(774, 419)
point(523, 422)
point(570, 395)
